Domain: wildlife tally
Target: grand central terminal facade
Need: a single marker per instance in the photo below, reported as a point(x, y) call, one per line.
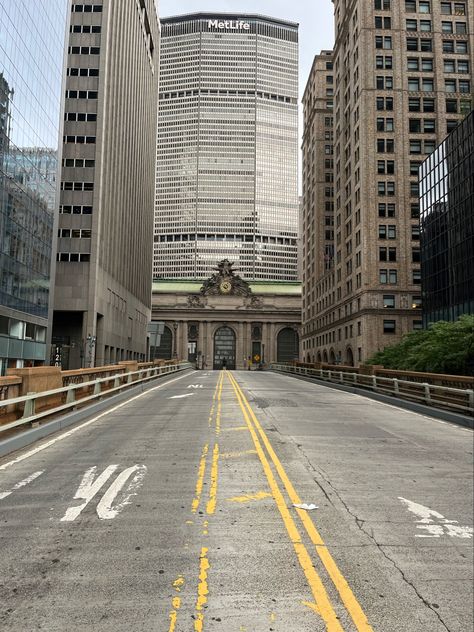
point(226, 321)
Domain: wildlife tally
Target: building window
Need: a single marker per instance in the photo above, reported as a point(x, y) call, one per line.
point(388, 326)
point(389, 301)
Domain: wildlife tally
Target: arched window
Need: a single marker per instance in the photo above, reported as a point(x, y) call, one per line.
point(287, 345)
point(164, 350)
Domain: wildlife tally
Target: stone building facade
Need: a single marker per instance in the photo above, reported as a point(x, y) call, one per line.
point(227, 321)
point(402, 78)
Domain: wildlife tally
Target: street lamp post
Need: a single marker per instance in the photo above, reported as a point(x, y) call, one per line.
point(175, 346)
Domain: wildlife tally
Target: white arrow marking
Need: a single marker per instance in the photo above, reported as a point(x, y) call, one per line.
point(194, 385)
point(105, 509)
point(180, 396)
point(428, 518)
point(21, 484)
point(87, 490)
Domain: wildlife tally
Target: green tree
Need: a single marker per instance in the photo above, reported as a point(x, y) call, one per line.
point(445, 347)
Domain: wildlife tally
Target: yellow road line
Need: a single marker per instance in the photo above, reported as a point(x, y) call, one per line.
point(247, 497)
point(237, 428)
point(211, 505)
point(347, 596)
point(200, 479)
point(176, 603)
point(203, 590)
point(318, 590)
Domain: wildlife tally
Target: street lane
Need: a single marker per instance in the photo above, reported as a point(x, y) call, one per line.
point(175, 512)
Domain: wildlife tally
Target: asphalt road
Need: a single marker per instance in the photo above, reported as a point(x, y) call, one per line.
point(174, 512)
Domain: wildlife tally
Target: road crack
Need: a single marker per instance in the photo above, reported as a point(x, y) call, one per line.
point(367, 531)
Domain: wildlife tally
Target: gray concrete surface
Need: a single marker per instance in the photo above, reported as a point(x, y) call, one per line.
point(143, 554)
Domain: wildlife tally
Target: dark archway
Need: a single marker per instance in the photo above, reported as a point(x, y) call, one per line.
point(165, 349)
point(332, 357)
point(325, 357)
point(349, 357)
point(224, 348)
point(288, 345)
point(318, 357)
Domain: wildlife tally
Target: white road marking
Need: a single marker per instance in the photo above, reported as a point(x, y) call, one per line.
point(34, 451)
point(429, 517)
point(181, 396)
point(106, 510)
point(21, 484)
point(194, 386)
point(87, 489)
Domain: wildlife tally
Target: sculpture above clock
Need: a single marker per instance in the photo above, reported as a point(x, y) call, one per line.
point(225, 282)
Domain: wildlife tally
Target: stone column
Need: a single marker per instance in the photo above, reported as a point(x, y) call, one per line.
point(210, 346)
point(183, 337)
point(240, 347)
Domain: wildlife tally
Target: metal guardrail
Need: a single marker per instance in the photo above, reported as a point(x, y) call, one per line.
point(67, 394)
point(454, 399)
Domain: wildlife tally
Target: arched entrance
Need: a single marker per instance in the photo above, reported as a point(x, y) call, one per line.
point(349, 357)
point(332, 357)
point(224, 348)
point(164, 350)
point(287, 345)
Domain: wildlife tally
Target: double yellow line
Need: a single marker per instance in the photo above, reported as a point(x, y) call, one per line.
point(322, 605)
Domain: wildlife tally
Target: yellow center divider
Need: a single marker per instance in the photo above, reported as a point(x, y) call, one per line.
point(323, 605)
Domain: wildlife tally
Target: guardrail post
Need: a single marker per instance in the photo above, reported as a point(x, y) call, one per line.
point(374, 382)
point(71, 396)
point(29, 409)
point(129, 378)
point(329, 375)
point(470, 394)
point(396, 387)
point(97, 388)
point(341, 378)
point(116, 382)
point(427, 393)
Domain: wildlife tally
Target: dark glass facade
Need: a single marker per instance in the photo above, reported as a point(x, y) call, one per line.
point(31, 64)
point(447, 226)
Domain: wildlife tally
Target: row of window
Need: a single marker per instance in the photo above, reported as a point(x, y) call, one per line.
point(390, 277)
point(82, 72)
point(423, 6)
point(77, 186)
point(75, 233)
point(390, 254)
point(69, 209)
point(85, 28)
point(80, 116)
point(80, 140)
point(86, 8)
point(84, 50)
point(422, 44)
point(73, 257)
point(78, 162)
point(81, 94)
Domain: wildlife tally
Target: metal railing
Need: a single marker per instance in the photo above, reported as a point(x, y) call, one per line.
point(89, 391)
point(454, 399)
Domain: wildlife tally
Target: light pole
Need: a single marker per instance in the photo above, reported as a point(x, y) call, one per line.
point(175, 346)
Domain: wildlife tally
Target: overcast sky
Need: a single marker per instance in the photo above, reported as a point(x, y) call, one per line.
point(315, 18)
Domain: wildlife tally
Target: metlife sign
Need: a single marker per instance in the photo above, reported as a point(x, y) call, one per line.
point(228, 25)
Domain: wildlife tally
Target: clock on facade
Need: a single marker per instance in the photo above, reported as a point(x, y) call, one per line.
point(225, 287)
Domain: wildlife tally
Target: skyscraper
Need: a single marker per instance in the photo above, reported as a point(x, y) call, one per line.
point(31, 64)
point(227, 147)
point(402, 77)
point(105, 237)
point(447, 226)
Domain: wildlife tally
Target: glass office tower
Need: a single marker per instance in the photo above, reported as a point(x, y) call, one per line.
point(447, 226)
point(227, 147)
point(31, 64)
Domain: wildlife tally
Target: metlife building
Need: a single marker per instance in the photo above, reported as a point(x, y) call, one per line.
point(227, 154)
